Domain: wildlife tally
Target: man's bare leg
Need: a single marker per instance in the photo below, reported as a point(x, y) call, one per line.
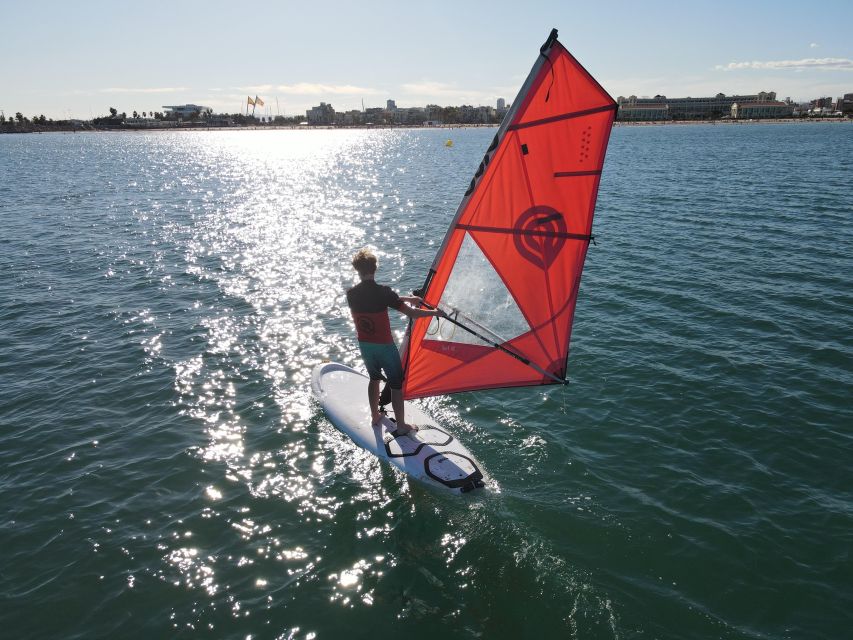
point(399, 412)
point(373, 401)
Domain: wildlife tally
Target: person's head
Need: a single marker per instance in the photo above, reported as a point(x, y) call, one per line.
point(364, 262)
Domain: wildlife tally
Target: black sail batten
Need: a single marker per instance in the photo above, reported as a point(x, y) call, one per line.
point(563, 116)
point(540, 233)
point(576, 174)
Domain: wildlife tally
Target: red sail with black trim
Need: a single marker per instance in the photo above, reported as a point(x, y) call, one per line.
point(510, 265)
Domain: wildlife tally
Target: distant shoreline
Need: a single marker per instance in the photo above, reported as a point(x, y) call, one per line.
point(733, 122)
point(256, 127)
point(649, 123)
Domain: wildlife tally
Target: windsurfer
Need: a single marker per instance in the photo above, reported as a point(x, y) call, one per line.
point(369, 303)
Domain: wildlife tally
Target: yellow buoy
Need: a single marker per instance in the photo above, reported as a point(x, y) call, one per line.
point(449, 143)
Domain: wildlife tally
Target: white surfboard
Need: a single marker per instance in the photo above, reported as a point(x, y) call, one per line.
point(431, 455)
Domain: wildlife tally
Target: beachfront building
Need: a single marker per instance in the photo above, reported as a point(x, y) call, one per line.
point(348, 118)
point(825, 112)
point(846, 106)
point(322, 114)
point(765, 109)
point(710, 108)
point(477, 115)
point(147, 123)
point(409, 115)
point(374, 115)
point(645, 112)
point(502, 108)
point(433, 114)
point(219, 120)
point(390, 105)
point(185, 111)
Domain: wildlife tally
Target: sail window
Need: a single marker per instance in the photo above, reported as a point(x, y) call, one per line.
point(477, 294)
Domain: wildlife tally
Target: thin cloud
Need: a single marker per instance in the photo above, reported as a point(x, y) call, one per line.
point(428, 87)
point(824, 64)
point(151, 90)
point(313, 89)
point(432, 91)
point(814, 45)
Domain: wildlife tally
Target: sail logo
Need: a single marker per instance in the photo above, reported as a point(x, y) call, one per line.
point(540, 234)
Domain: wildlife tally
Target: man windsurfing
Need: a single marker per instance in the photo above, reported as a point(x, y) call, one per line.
point(369, 303)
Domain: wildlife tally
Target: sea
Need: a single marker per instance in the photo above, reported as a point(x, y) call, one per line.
point(166, 473)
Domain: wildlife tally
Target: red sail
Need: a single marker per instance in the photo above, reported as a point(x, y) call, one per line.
point(509, 268)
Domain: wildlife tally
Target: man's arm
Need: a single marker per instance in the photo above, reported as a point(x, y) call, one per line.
point(419, 313)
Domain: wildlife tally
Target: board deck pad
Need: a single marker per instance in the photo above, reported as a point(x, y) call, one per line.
point(432, 454)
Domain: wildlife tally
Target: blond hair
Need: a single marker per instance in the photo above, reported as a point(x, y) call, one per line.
point(364, 262)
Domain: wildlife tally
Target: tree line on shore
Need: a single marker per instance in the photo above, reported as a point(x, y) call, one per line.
point(20, 123)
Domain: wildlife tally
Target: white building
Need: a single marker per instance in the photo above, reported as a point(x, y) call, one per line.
point(185, 111)
point(763, 109)
point(146, 123)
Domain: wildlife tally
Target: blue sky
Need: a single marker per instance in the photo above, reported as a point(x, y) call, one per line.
point(79, 59)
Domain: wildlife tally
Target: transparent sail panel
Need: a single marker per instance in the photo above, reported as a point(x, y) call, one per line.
point(477, 294)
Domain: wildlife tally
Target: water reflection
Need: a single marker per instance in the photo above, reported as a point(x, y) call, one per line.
point(293, 510)
point(274, 242)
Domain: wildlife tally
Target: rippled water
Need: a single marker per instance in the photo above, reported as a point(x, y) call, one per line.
point(165, 472)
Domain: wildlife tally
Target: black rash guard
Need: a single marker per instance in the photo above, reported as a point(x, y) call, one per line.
point(369, 303)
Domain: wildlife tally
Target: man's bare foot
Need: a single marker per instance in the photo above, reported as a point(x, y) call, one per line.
point(376, 419)
point(407, 429)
